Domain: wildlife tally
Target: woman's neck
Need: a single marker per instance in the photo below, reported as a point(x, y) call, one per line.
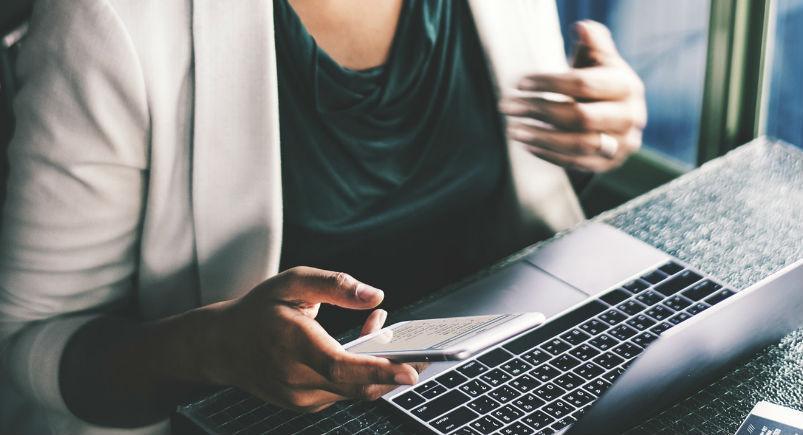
point(357, 34)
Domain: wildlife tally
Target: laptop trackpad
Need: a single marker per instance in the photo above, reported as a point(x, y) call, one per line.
point(517, 288)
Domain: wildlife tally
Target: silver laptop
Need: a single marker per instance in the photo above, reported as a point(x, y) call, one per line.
point(630, 330)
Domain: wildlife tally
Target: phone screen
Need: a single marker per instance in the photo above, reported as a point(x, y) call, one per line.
point(432, 334)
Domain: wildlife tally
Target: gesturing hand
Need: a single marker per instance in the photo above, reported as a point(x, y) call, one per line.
point(273, 348)
point(601, 122)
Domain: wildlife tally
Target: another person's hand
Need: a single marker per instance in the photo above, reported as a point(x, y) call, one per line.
point(271, 346)
point(601, 122)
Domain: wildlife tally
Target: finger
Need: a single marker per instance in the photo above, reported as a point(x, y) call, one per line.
point(570, 144)
point(594, 83)
point(613, 116)
point(306, 286)
point(594, 45)
point(579, 163)
point(313, 381)
point(327, 357)
point(308, 400)
point(374, 322)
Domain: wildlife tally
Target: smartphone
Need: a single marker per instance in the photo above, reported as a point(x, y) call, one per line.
point(449, 339)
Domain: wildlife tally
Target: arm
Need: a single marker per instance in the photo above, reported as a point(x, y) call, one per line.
point(69, 246)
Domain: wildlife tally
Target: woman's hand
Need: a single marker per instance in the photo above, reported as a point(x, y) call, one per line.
point(271, 346)
point(601, 122)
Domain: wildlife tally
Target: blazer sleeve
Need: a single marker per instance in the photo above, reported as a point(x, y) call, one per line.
point(76, 188)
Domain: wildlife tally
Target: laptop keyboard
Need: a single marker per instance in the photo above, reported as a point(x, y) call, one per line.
point(543, 380)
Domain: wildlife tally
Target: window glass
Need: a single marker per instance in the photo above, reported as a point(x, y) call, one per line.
point(784, 112)
point(665, 42)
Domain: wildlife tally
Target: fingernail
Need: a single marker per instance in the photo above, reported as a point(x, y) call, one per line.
point(383, 316)
point(405, 379)
point(367, 293)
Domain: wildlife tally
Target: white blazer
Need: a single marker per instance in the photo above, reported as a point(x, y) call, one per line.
point(146, 172)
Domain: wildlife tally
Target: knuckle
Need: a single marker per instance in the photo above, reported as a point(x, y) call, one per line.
point(587, 144)
point(341, 280)
point(334, 370)
point(582, 84)
point(584, 118)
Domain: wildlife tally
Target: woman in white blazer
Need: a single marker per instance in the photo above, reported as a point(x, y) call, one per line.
point(142, 232)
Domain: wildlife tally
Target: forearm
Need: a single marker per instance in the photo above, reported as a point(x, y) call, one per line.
point(116, 372)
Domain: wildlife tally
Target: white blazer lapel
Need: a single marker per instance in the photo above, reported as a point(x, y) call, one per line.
point(236, 180)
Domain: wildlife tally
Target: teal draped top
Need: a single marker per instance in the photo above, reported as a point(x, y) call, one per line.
point(389, 172)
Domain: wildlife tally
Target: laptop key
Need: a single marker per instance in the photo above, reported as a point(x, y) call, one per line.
point(569, 381)
point(558, 409)
point(507, 414)
point(661, 327)
point(454, 419)
point(408, 400)
point(679, 318)
point(474, 387)
point(593, 327)
point(575, 337)
point(613, 374)
point(528, 402)
point(697, 308)
point(524, 383)
point(654, 277)
point(555, 346)
point(554, 327)
point(701, 290)
point(565, 362)
point(515, 367)
point(504, 394)
point(441, 405)
point(644, 339)
point(720, 296)
point(563, 422)
point(597, 386)
point(631, 307)
point(434, 392)
point(677, 302)
point(545, 372)
point(649, 298)
point(627, 350)
point(538, 420)
point(495, 357)
point(549, 392)
point(604, 342)
point(584, 352)
point(612, 317)
point(615, 296)
point(589, 370)
point(516, 428)
point(486, 424)
point(659, 312)
point(426, 386)
point(678, 282)
point(495, 377)
point(608, 360)
point(483, 404)
point(640, 322)
point(465, 430)
point(579, 398)
point(622, 332)
point(671, 268)
point(636, 286)
point(536, 356)
point(472, 368)
point(451, 379)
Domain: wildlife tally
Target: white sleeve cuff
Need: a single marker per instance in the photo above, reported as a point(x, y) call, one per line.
point(34, 359)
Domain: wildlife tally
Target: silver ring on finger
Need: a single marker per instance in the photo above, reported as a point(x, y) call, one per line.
point(608, 145)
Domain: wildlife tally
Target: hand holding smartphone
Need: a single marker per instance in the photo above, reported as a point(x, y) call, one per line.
point(447, 339)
